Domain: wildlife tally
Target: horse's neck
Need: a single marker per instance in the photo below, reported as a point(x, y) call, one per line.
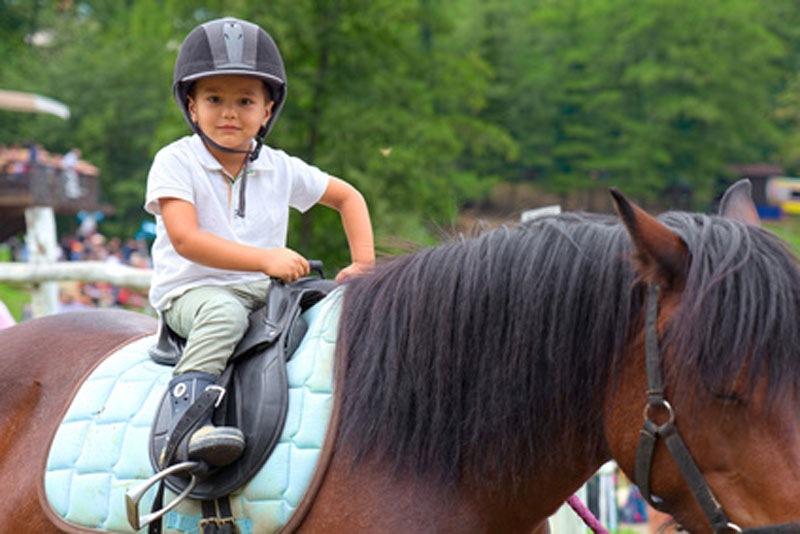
point(371, 498)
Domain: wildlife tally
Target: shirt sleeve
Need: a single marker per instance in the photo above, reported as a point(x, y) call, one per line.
point(308, 184)
point(169, 176)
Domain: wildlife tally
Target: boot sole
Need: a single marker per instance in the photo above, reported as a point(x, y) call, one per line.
point(217, 446)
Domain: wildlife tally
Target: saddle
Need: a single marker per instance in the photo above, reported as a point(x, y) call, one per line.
point(256, 399)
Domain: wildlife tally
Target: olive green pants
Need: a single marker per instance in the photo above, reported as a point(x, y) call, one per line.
point(213, 320)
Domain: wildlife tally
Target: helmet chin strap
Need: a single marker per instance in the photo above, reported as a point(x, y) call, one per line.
point(251, 156)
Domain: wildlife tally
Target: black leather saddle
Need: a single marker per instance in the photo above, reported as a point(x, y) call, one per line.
point(257, 396)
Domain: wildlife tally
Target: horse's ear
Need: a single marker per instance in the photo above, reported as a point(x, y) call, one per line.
point(661, 256)
point(737, 203)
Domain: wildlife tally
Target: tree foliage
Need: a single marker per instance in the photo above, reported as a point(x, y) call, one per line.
point(425, 104)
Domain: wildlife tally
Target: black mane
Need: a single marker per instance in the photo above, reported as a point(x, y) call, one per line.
point(472, 357)
point(740, 314)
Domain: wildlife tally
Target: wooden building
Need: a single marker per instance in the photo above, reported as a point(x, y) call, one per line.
point(36, 184)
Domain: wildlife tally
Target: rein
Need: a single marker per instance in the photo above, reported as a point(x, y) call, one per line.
point(651, 431)
point(586, 515)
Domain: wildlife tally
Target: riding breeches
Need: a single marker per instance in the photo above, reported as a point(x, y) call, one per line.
point(213, 320)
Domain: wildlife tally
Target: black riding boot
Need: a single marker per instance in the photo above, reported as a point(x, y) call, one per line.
point(216, 445)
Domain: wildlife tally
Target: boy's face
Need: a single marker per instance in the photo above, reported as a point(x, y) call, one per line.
point(230, 109)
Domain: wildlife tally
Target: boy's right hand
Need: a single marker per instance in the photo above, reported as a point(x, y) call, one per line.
point(285, 264)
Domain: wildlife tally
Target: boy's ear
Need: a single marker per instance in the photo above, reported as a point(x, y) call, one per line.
point(660, 255)
point(268, 113)
point(190, 105)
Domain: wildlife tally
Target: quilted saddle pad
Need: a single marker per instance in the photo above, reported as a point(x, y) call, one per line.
point(100, 449)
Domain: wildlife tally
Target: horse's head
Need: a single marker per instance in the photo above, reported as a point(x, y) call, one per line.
point(705, 414)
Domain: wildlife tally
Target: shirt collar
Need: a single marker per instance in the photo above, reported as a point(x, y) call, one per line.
point(207, 159)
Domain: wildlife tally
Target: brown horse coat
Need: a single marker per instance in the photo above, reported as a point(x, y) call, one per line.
point(26, 419)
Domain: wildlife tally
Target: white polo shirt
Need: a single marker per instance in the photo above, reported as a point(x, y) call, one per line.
point(186, 170)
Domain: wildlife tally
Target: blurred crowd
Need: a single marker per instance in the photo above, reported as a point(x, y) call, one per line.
point(95, 247)
point(16, 158)
point(87, 243)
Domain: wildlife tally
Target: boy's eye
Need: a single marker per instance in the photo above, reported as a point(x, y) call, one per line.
point(246, 101)
point(213, 99)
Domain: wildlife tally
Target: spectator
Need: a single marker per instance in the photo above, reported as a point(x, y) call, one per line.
point(33, 151)
point(72, 185)
point(17, 162)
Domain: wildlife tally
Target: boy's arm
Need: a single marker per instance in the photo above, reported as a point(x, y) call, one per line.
point(180, 220)
point(351, 205)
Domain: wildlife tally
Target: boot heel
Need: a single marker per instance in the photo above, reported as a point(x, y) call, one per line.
point(217, 446)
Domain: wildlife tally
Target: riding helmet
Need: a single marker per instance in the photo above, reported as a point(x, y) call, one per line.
point(230, 46)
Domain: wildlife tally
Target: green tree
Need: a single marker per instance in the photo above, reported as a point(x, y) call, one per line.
point(425, 104)
point(107, 62)
point(641, 92)
point(381, 93)
point(376, 99)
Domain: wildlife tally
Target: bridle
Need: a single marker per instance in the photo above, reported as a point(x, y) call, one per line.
point(651, 431)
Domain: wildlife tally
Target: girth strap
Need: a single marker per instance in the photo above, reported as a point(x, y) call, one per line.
point(218, 517)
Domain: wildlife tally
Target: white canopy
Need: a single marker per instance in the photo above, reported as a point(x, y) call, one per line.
point(17, 101)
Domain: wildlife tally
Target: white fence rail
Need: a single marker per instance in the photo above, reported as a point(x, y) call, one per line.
point(42, 271)
point(83, 271)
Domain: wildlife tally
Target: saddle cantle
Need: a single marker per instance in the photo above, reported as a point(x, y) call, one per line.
point(257, 394)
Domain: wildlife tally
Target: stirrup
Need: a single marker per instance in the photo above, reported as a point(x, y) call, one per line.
point(135, 494)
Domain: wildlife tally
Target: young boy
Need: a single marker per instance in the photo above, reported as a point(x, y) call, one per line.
point(221, 202)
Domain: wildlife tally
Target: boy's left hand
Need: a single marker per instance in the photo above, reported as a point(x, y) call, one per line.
point(354, 269)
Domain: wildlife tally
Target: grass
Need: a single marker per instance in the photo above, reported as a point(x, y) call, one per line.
point(15, 298)
point(788, 228)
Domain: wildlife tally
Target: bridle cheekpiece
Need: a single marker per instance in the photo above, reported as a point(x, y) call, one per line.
point(659, 409)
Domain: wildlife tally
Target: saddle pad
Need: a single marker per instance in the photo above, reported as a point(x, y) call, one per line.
point(100, 450)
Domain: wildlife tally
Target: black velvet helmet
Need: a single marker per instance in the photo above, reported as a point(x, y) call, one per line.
point(230, 46)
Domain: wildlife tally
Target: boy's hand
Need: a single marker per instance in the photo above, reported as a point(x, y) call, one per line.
point(285, 264)
point(354, 269)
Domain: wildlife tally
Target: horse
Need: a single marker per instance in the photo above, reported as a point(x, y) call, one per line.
point(479, 383)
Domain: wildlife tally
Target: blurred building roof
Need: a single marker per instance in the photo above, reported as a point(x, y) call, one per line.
point(757, 170)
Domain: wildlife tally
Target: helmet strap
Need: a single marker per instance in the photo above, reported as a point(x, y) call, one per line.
point(252, 154)
point(211, 142)
point(240, 208)
point(260, 135)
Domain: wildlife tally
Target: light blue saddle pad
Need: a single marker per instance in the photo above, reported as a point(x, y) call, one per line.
point(100, 450)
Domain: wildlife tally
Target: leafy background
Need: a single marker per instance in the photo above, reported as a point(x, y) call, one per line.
point(426, 105)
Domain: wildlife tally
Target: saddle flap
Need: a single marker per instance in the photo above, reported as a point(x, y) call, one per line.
point(258, 394)
point(263, 329)
point(260, 391)
point(281, 313)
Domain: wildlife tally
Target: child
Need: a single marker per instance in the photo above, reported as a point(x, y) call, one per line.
point(221, 202)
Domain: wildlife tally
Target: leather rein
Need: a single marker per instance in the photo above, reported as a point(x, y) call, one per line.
point(668, 431)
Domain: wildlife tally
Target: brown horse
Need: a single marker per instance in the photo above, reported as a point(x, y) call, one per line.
point(481, 382)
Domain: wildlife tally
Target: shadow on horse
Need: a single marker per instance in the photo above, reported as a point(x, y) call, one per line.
point(481, 382)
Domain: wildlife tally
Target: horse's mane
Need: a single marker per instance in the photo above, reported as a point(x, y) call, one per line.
point(739, 318)
point(467, 357)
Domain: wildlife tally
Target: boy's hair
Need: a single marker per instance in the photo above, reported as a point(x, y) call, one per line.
point(268, 91)
point(233, 47)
